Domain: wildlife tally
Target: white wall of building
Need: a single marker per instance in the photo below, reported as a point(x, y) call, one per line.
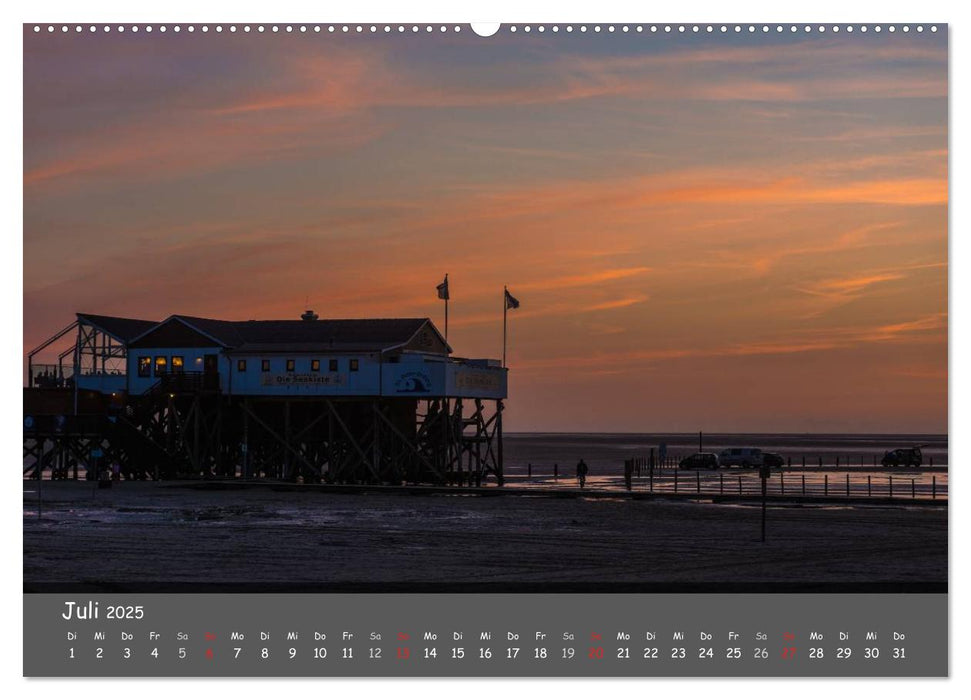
point(413, 374)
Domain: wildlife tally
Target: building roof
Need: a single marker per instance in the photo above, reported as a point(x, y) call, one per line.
point(372, 334)
point(124, 329)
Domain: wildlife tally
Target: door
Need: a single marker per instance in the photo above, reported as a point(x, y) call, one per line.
point(210, 367)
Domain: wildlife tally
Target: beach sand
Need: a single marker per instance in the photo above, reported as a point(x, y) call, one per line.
point(140, 533)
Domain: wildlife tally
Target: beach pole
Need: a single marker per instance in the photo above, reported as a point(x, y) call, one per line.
point(934, 487)
point(529, 470)
point(698, 482)
point(820, 462)
point(804, 461)
point(803, 484)
point(869, 492)
point(826, 484)
point(837, 461)
point(891, 485)
point(764, 480)
point(932, 462)
point(847, 485)
point(913, 488)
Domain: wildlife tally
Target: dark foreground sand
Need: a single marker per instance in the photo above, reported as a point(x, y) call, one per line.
point(143, 533)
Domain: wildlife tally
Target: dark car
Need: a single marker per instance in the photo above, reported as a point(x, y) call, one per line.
point(702, 460)
point(745, 457)
point(903, 457)
point(773, 459)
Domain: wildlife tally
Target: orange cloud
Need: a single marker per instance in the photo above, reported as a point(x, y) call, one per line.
point(584, 280)
point(817, 341)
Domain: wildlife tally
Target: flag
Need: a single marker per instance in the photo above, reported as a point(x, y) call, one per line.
point(443, 289)
point(511, 301)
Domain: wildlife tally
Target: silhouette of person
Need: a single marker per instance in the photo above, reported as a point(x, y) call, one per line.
point(582, 472)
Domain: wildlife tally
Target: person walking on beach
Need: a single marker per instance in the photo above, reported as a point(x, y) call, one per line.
point(582, 472)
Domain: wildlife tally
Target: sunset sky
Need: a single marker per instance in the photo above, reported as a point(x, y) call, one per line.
point(720, 232)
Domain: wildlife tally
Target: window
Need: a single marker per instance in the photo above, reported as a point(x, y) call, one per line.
point(291, 365)
point(353, 366)
point(315, 365)
point(240, 365)
point(178, 364)
point(161, 365)
point(333, 365)
point(266, 365)
point(144, 366)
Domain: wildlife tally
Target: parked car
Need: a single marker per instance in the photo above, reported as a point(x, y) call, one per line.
point(741, 457)
point(903, 457)
point(701, 460)
point(773, 459)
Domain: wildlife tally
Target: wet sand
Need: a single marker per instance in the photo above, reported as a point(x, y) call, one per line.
point(142, 533)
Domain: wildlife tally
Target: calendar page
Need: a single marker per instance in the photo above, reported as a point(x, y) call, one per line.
point(511, 350)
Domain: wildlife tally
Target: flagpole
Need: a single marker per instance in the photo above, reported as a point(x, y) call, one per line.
point(505, 310)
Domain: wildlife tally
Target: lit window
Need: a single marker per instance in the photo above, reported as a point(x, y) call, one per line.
point(353, 367)
point(291, 365)
point(315, 365)
point(144, 366)
point(240, 365)
point(178, 364)
point(161, 365)
point(266, 365)
point(333, 365)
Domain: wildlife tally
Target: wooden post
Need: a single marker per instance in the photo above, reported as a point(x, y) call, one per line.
point(764, 480)
point(698, 481)
point(932, 462)
point(934, 487)
point(721, 483)
point(529, 470)
point(913, 488)
point(825, 484)
point(782, 483)
point(501, 476)
point(837, 461)
point(556, 471)
point(804, 461)
point(820, 462)
point(739, 485)
point(803, 484)
point(891, 485)
point(847, 485)
point(869, 492)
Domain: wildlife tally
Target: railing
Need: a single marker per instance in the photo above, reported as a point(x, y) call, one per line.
point(795, 484)
point(51, 376)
